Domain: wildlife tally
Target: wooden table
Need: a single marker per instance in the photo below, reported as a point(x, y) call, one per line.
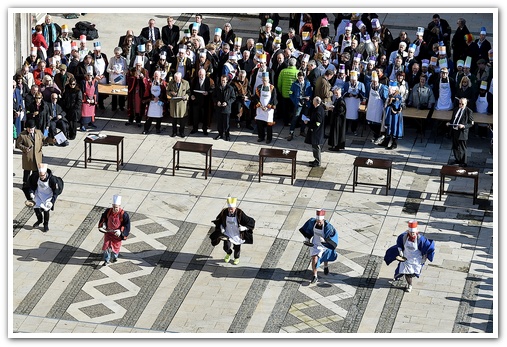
point(375, 164)
point(420, 117)
point(109, 140)
point(265, 153)
point(195, 147)
point(456, 171)
point(113, 89)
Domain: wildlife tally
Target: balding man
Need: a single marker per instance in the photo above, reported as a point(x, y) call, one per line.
point(200, 99)
point(462, 119)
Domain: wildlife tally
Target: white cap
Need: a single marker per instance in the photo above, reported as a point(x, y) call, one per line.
point(116, 199)
point(139, 60)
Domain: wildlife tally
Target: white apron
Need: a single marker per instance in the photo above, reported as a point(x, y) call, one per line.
point(482, 104)
point(117, 78)
point(100, 66)
point(267, 115)
point(156, 108)
point(444, 100)
point(352, 105)
point(375, 107)
point(232, 231)
point(318, 238)
point(43, 194)
point(414, 259)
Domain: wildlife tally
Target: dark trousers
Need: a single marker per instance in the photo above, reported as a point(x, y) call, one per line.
point(263, 128)
point(375, 128)
point(117, 100)
point(181, 122)
point(459, 149)
point(42, 216)
point(227, 249)
point(60, 124)
point(199, 115)
point(223, 123)
point(353, 124)
point(73, 125)
point(149, 121)
point(316, 149)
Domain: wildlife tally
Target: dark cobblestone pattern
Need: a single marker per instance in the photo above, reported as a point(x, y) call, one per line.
point(289, 291)
point(365, 286)
point(21, 220)
point(258, 287)
point(391, 307)
point(468, 300)
point(149, 287)
point(54, 269)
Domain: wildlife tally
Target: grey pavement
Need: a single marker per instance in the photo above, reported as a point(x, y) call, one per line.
point(169, 279)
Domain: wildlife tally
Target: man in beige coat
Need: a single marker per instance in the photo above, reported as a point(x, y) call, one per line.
point(30, 143)
point(178, 92)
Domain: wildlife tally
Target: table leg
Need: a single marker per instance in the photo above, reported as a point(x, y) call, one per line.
point(86, 156)
point(387, 182)
point(354, 179)
point(476, 183)
point(174, 162)
point(210, 156)
point(206, 167)
point(118, 157)
point(293, 176)
point(442, 178)
point(260, 167)
point(122, 152)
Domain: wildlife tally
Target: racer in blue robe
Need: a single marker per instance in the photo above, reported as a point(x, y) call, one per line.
point(394, 119)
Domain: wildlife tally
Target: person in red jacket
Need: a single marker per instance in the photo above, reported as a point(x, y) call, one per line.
point(39, 41)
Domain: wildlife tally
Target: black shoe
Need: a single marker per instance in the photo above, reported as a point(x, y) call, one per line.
point(128, 123)
point(314, 280)
point(182, 135)
point(36, 224)
point(260, 140)
point(268, 142)
point(205, 132)
point(249, 127)
point(227, 138)
point(114, 260)
point(326, 271)
point(158, 131)
point(122, 108)
point(218, 137)
point(91, 125)
point(290, 137)
point(139, 125)
point(173, 134)
point(193, 131)
point(46, 228)
point(315, 164)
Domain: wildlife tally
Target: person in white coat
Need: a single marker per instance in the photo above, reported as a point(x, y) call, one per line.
point(353, 94)
point(375, 107)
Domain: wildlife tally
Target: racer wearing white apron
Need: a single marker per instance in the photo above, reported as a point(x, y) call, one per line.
point(155, 108)
point(264, 99)
point(318, 236)
point(43, 194)
point(375, 106)
point(413, 264)
point(232, 230)
point(444, 99)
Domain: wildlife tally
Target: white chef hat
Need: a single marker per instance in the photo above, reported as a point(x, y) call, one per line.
point(116, 199)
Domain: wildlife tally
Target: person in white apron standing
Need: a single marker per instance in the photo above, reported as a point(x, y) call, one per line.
point(265, 105)
point(117, 69)
point(234, 228)
point(375, 107)
point(445, 89)
point(100, 65)
point(411, 250)
point(353, 95)
point(158, 94)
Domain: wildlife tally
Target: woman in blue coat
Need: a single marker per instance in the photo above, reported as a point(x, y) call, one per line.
point(411, 250)
point(324, 242)
point(394, 117)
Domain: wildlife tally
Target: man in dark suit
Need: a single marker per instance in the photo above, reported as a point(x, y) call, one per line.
point(151, 32)
point(443, 32)
point(462, 120)
point(136, 40)
point(203, 28)
point(171, 35)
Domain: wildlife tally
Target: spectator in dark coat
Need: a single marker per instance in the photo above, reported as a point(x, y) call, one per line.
point(315, 134)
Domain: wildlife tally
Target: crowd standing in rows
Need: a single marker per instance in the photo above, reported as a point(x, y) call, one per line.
point(199, 75)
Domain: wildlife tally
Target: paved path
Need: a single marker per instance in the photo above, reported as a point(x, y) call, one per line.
point(169, 279)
